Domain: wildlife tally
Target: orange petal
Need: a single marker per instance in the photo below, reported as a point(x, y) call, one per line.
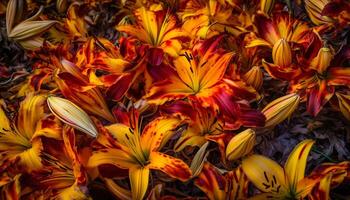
point(211, 182)
point(157, 133)
point(282, 53)
point(173, 167)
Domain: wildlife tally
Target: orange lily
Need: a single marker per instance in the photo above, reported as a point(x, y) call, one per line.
point(140, 152)
point(75, 86)
point(281, 26)
point(199, 76)
point(205, 19)
point(321, 79)
point(232, 185)
point(156, 28)
point(20, 141)
point(63, 177)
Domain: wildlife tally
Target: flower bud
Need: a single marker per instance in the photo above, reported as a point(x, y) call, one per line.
point(266, 6)
point(314, 9)
point(282, 53)
point(198, 160)
point(281, 108)
point(322, 61)
point(344, 104)
point(72, 115)
point(240, 145)
point(254, 77)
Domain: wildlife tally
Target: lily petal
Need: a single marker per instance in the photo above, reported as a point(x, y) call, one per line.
point(173, 167)
point(296, 162)
point(266, 174)
point(139, 182)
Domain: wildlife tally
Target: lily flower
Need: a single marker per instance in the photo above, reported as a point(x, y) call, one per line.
point(139, 153)
point(157, 29)
point(280, 26)
point(63, 176)
point(321, 79)
point(199, 76)
point(281, 183)
point(76, 87)
point(19, 142)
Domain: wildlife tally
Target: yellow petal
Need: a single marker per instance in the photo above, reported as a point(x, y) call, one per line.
point(72, 115)
point(30, 112)
point(30, 158)
point(296, 162)
point(281, 108)
point(240, 145)
point(139, 182)
point(115, 157)
point(258, 42)
point(266, 6)
point(158, 132)
point(322, 61)
point(314, 10)
point(282, 53)
point(266, 174)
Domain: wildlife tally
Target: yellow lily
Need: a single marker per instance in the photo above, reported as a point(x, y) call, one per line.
point(280, 183)
point(19, 141)
point(140, 153)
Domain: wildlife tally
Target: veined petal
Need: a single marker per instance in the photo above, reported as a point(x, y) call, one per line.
point(30, 158)
point(266, 6)
point(158, 132)
point(72, 115)
point(12, 190)
point(266, 174)
point(199, 159)
point(134, 31)
point(139, 182)
point(212, 70)
point(173, 167)
point(296, 162)
point(30, 112)
point(148, 20)
point(115, 157)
